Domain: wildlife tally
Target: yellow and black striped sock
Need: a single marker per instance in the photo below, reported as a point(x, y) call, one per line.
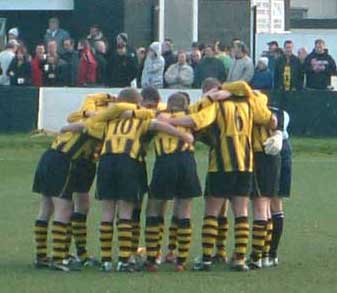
point(124, 239)
point(79, 226)
point(152, 238)
point(258, 239)
point(209, 235)
point(59, 236)
point(41, 237)
point(241, 229)
point(161, 232)
point(106, 235)
point(221, 239)
point(269, 235)
point(68, 240)
point(184, 237)
point(135, 231)
point(173, 230)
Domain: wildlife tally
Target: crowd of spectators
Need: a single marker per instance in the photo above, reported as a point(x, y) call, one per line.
point(94, 61)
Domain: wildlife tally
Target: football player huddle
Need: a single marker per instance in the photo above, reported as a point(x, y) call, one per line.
point(249, 162)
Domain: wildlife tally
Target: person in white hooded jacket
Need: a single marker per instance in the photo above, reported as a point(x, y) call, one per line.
point(179, 75)
point(153, 72)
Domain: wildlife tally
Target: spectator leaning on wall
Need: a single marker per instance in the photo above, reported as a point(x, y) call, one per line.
point(153, 67)
point(319, 67)
point(6, 58)
point(262, 79)
point(54, 32)
point(288, 70)
point(209, 66)
point(179, 75)
point(19, 71)
point(242, 67)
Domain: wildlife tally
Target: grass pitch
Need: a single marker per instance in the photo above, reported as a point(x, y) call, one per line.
point(308, 251)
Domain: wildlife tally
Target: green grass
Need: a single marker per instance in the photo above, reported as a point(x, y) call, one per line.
point(308, 250)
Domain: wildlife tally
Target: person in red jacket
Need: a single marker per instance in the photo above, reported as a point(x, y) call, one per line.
point(87, 66)
point(36, 65)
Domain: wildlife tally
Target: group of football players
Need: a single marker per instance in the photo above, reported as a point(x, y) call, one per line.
point(249, 161)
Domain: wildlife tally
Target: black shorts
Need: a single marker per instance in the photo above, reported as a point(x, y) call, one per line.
point(119, 178)
point(266, 175)
point(229, 184)
point(286, 170)
point(175, 176)
point(52, 174)
point(82, 175)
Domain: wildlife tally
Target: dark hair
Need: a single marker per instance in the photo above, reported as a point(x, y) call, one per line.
point(242, 46)
point(187, 96)
point(319, 41)
point(150, 94)
point(287, 42)
point(168, 40)
point(71, 40)
point(129, 95)
point(210, 83)
point(222, 46)
point(177, 102)
point(54, 19)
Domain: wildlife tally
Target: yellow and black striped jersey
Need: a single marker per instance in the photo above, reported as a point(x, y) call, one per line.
point(88, 143)
point(199, 105)
point(77, 145)
point(165, 144)
point(232, 129)
point(125, 136)
point(92, 103)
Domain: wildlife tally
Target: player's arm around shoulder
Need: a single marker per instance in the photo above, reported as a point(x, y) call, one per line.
point(262, 115)
point(157, 125)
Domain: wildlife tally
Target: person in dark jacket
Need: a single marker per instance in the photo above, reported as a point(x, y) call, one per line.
point(262, 79)
point(19, 70)
point(72, 58)
point(168, 54)
point(54, 71)
point(319, 66)
point(102, 63)
point(288, 73)
point(123, 67)
point(209, 66)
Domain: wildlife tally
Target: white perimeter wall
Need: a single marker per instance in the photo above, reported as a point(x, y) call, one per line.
point(55, 104)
